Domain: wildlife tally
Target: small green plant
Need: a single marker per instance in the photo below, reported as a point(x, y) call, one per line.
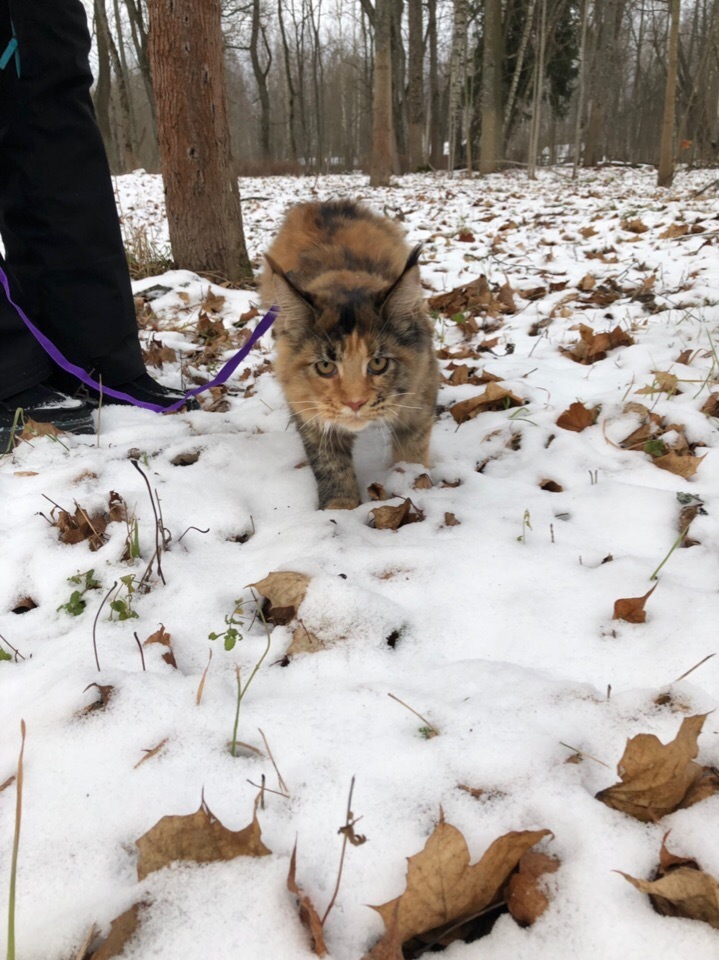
point(526, 525)
point(15, 848)
point(242, 690)
point(4, 655)
point(77, 602)
point(122, 606)
point(232, 620)
point(17, 426)
point(655, 448)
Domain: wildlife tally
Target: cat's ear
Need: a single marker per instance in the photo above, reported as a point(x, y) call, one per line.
point(289, 296)
point(403, 295)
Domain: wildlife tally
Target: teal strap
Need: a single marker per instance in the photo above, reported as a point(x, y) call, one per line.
point(10, 50)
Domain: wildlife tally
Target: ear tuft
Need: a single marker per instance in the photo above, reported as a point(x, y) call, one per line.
point(290, 297)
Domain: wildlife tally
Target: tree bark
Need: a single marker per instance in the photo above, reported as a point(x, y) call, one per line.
point(415, 91)
point(101, 96)
point(666, 151)
point(436, 147)
point(127, 147)
point(458, 68)
point(382, 129)
point(260, 72)
point(490, 144)
point(201, 194)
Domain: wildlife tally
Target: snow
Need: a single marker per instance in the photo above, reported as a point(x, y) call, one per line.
point(506, 639)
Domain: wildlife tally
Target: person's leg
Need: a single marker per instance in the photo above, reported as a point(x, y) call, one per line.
point(58, 219)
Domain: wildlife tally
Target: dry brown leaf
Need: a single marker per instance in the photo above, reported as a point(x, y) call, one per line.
point(198, 837)
point(450, 520)
point(577, 417)
point(680, 888)
point(711, 405)
point(394, 517)
point(588, 282)
point(588, 232)
point(156, 354)
point(493, 398)
point(423, 482)
point(80, 526)
point(594, 346)
point(443, 889)
point(664, 382)
point(684, 465)
point(674, 230)
point(631, 609)
point(304, 641)
point(162, 637)
point(526, 900)
point(283, 591)
point(106, 692)
point(308, 914)
point(656, 777)
point(122, 929)
point(551, 486)
point(376, 491)
point(151, 752)
point(634, 226)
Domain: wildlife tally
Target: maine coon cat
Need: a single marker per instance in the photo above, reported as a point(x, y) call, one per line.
point(354, 342)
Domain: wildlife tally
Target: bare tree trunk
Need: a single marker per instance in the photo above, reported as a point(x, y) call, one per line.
point(435, 125)
point(382, 129)
point(581, 89)
point(127, 147)
point(138, 29)
point(457, 74)
point(509, 108)
point(202, 196)
point(415, 93)
point(666, 150)
point(291, 91)
point(399, 111)
point(538, 93)
point(490, 144)
point(258, 34)
point(605, 77)
point(101, 98)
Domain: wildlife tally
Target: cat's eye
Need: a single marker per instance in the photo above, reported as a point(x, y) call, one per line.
point(378, 365)
point(326, 368)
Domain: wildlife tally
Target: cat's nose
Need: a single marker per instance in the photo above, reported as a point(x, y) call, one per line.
point(355, 404)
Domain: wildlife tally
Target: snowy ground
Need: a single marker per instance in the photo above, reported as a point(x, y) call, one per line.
point(502, 624)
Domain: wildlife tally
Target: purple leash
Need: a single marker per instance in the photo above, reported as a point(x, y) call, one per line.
point(225, 373)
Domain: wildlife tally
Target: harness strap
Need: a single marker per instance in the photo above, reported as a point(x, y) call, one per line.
point(10, 50)
point(224, 374)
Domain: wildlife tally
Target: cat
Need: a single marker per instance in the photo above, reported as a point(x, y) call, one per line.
point(354, 341)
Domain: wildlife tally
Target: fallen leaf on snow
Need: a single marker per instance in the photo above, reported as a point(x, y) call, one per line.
point(657, 778)
point(304, 641)
point(664, 382)
point(122, 929)
point(443, 890)
point(493, 398)
point(683, 464)
point(631, 609)
point(394, 517)
point(595, 346)
point(680, 888)
point(162, 637)
point(577, 417)
point(308, 914)
point(283, 591)
point(198, 837)
point(526, 899)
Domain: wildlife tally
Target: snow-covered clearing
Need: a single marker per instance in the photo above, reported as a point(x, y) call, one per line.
point(500, 625)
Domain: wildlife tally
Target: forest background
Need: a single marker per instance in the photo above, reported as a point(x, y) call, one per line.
point(396, 86)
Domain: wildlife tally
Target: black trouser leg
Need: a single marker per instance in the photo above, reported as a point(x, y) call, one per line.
point(58, 219)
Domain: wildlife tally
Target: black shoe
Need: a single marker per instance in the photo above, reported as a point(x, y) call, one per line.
point(147, 390)
point(44, 405)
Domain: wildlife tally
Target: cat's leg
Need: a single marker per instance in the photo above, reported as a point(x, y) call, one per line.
point(330, 455)
point(410, 442)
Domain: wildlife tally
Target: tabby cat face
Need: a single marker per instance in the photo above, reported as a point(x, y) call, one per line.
point(349, 356)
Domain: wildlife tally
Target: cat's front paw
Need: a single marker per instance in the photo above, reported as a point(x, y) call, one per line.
point(341, 503)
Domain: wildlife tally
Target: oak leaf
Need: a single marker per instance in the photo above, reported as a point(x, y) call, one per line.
point(577, 417)
point(656, 777)
point(594, 346)
point(444, 890)
point(283, 591)
point(198, 837)
point(308, 914)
